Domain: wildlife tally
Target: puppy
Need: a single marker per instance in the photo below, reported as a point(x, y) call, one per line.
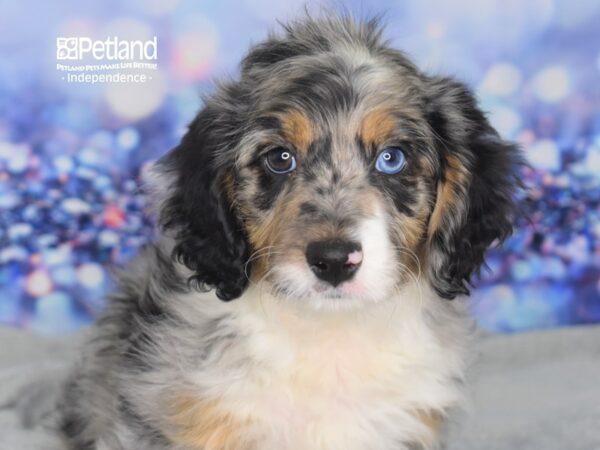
point(316, 221)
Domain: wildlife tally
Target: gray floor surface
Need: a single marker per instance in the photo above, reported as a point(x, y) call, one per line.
point(531, 391)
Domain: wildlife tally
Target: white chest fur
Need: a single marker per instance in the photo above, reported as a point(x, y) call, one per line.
point(297, 379)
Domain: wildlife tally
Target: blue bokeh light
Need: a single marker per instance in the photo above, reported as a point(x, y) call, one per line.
point(71, 154)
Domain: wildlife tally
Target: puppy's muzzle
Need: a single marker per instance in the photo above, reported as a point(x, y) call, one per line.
point(335, 260)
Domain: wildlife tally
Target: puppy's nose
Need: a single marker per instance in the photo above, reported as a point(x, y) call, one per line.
point(334, 260)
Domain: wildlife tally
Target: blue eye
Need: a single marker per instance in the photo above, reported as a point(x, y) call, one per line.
point(280, 161)
point(391, 160)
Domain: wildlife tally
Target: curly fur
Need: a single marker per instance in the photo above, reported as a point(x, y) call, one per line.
point(210, 241)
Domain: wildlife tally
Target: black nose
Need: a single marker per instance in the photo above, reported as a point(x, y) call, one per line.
point(334, 260)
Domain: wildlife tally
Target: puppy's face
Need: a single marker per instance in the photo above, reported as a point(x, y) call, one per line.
point(336, 179)
point(334, 171)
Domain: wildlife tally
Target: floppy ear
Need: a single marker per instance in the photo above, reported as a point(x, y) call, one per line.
point(475, 193)
point(199, 212)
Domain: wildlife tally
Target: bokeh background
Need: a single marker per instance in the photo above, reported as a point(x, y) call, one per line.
point(71, 154)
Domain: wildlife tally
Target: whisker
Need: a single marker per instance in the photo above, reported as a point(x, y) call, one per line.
point(265, 251)
point(415, 258)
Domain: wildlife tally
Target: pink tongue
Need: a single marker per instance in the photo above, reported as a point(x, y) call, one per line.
point(354, 258)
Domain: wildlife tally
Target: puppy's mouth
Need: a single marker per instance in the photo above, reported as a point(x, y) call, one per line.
point(328, 292)
point(346, 289)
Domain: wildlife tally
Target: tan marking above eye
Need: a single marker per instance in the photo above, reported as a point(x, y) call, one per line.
point(377, 126)
point(297, 129)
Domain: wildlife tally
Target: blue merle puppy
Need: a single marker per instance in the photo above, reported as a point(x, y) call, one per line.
point(315, 222)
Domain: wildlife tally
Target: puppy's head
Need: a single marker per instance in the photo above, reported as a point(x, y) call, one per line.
point(334, 171)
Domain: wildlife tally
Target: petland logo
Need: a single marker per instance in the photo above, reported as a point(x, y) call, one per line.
point(113, 49)
point(84, 60)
